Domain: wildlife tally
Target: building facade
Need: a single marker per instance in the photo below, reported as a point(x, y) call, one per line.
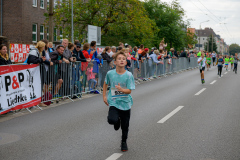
point(23, 20)
point(203, 38)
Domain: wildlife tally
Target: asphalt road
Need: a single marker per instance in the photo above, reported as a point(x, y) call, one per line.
point(168, 122)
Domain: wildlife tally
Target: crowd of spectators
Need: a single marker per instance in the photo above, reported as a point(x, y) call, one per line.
point(59, 70)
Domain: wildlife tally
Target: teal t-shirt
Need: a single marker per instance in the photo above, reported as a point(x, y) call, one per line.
point(115, 98)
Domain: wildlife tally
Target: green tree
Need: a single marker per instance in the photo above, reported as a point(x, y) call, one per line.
point(211, 45)
point(234, 48)
point(169, 20)
point(119, 20)
point(191, 39)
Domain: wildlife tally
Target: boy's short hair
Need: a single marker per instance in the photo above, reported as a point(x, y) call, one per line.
point(119, 53)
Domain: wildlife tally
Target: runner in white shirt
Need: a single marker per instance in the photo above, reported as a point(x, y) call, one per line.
point(214, 57)
point(202, 64)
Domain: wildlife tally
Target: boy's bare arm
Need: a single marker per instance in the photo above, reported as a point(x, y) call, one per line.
point(126, 91)
point(104, 93)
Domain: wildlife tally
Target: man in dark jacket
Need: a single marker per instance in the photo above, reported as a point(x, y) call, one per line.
point(57, 58)
point(77, 53)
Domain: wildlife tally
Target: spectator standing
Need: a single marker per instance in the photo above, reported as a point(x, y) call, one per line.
point(141, 49)
point(46, 76)
point(75, 43)
point(50, 47)
point(35, 54)
point(183, 54)
point(35, 57)
point(162, 45)
point(4, 58)
point(113, 51)
point(57, 59)
point(105, 56)
point(93, 50)
point(77, 53)
point(84, 65)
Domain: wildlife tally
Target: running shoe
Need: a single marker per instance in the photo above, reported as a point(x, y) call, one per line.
point(203, 81)
point(124, 147)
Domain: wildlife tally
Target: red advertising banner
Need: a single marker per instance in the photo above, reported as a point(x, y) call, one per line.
point(19, 52)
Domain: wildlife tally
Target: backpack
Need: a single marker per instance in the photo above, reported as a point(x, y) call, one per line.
point(47, 97)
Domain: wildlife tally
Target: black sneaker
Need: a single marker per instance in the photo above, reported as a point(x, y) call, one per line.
point(117, 125)
point(124, 147)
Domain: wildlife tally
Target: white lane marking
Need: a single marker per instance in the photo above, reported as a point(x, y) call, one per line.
point(225, 72)
point(213, 82)
point(170, 114)
point(114, 156)
point(200, 91)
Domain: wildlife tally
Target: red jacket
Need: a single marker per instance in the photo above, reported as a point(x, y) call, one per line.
point(85, 64)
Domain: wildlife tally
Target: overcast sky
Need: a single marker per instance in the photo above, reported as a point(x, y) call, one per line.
point(223, 16)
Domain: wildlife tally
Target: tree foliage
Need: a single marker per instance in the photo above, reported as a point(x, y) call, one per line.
point(211, 45)
point(131, 21)
point(234, 48)
point(118, 19)
point(169, 20)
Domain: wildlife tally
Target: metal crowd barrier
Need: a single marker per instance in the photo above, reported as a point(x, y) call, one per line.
point(70, 81)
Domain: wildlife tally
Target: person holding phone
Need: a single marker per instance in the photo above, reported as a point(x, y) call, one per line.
point(93, 50)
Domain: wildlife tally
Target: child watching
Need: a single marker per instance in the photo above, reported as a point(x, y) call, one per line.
point(91, 77)
point(119, 99)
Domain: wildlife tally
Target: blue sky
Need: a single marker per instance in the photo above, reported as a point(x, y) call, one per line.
point(223, 16)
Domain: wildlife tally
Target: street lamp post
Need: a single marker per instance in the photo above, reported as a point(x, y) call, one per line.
point(199, 35)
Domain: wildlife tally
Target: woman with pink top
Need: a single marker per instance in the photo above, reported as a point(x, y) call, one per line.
point(91, 77)
point(162, 45)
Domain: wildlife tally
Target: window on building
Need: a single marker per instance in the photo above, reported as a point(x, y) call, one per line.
point(203, 39)
point(55, 34)
point(34, 32)
point(34, 3)
point(42, 4)
point(41, 32)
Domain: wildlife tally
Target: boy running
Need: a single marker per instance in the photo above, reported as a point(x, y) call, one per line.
point(231, 61)
point(226, 62)
point(220, 65)
point(202, 64)
point(208, 62)
point(235, 63)
point(119, 99)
